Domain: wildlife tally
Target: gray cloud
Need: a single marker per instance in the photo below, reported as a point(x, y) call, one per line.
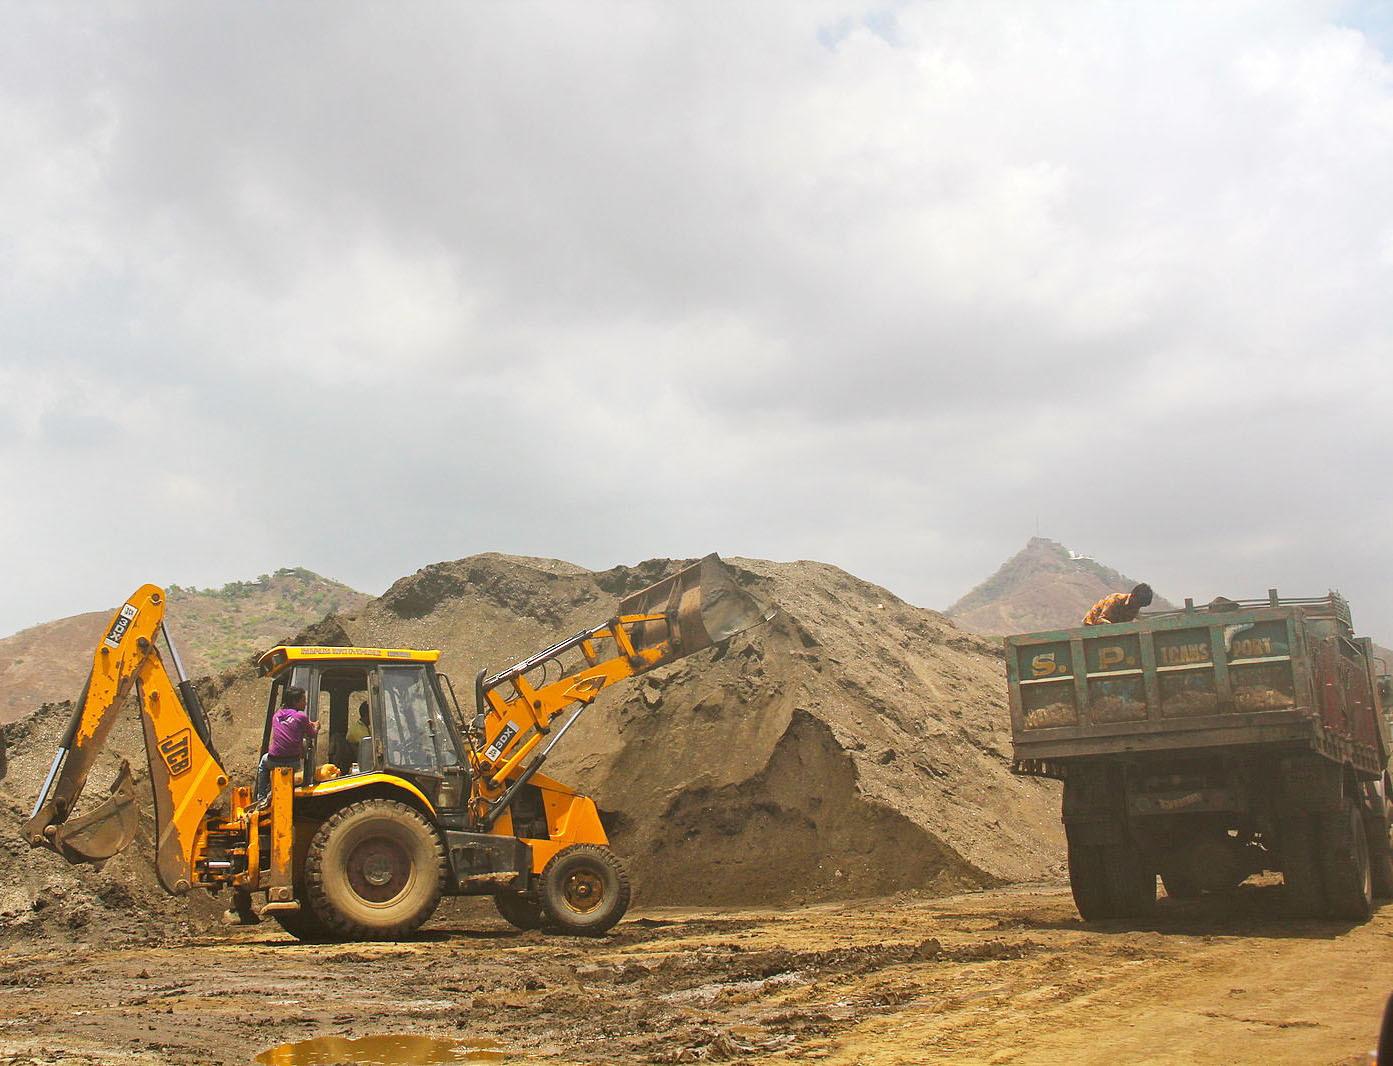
point(358, 288)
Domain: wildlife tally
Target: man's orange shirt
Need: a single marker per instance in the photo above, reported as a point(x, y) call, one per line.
point(1114, 608)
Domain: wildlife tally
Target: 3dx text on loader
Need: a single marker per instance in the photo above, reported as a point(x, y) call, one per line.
point(362, 840)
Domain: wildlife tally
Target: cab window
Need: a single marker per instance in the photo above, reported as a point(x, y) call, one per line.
point(414, 734)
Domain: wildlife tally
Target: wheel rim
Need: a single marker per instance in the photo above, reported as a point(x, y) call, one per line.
point(584, 891)
point(379, 870)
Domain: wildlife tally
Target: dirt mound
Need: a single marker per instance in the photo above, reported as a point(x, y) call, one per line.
point(1043, 586)
point(854, 746)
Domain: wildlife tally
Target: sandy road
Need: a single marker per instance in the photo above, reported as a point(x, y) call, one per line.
point(1004, 976)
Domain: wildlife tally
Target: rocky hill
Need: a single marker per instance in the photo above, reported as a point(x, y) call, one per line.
point(214, 628)
point(1043, 586)
point(854, 746)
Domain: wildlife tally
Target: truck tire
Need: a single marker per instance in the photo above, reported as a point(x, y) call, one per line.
point(584, 890)
point(1381, 852)
point(1130, 880)
point(1344, 864)
point(374, 871)
point(519, 911)
point(1086, 879)
point(1301, 866)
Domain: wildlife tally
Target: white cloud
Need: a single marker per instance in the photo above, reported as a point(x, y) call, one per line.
point(879, 285)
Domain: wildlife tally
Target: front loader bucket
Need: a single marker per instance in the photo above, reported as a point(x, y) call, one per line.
point(108, 829)
point(701, 604)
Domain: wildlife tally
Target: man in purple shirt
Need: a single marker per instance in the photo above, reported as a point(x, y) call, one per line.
point(290, 727)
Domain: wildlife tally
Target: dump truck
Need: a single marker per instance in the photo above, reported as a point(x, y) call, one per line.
point(1208, 744)
point(362, 838)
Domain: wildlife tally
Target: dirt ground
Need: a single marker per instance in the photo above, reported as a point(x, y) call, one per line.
point(1008, 975)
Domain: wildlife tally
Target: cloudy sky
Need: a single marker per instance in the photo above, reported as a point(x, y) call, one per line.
point(360, 287)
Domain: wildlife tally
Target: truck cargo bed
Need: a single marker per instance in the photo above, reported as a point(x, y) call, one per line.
point(1273, 672)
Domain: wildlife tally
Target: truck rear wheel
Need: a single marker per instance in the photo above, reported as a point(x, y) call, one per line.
point(374, 870)
point(1131, 881)
point(1086, 878)
point(584, 890)
point(1345, 871)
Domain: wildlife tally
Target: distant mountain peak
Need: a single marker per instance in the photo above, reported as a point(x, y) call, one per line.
point(1043, 586)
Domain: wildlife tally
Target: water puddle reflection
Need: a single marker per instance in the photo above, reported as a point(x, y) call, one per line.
point(381, 1051)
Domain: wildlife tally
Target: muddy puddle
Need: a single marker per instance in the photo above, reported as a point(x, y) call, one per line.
point(381, 1051)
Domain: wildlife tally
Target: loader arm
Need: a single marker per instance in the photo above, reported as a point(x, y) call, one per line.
point(693, 609)
point(186, 775)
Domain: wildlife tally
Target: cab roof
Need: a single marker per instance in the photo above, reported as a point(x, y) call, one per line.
point(282, 656)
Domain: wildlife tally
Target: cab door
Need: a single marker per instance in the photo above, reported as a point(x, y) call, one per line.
point(416, 739)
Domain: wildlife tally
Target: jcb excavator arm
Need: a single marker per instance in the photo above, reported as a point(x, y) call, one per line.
point(693, 609)
point(185, 773)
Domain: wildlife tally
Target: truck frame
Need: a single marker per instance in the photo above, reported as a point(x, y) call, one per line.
point(1208, 744)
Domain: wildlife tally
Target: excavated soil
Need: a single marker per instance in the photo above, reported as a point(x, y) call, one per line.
point(853, 747)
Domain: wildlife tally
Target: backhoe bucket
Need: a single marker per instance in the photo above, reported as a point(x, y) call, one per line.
point(701, 604)
point(108, 829)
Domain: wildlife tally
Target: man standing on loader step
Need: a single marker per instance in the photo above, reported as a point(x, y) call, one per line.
point(290, 726)
point(1119, 607)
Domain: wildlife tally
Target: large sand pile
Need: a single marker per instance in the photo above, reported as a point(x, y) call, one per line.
point(854, 746)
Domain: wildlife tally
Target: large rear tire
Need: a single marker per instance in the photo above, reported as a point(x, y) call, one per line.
point(1086, 879)
point(1131, 881)
point(1344, 862)
point(584, 890)
point(519, 911)
point(374, 871)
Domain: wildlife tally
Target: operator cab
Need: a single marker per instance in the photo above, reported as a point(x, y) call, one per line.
point(411, 730)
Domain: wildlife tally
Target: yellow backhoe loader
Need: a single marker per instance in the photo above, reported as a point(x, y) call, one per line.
point(363, 838)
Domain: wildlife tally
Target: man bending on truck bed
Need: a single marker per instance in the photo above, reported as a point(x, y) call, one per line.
point(1119, 607)
point(290, 727)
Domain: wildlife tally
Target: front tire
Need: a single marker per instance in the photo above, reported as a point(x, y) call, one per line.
point(374, 871)
point(584, 890)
